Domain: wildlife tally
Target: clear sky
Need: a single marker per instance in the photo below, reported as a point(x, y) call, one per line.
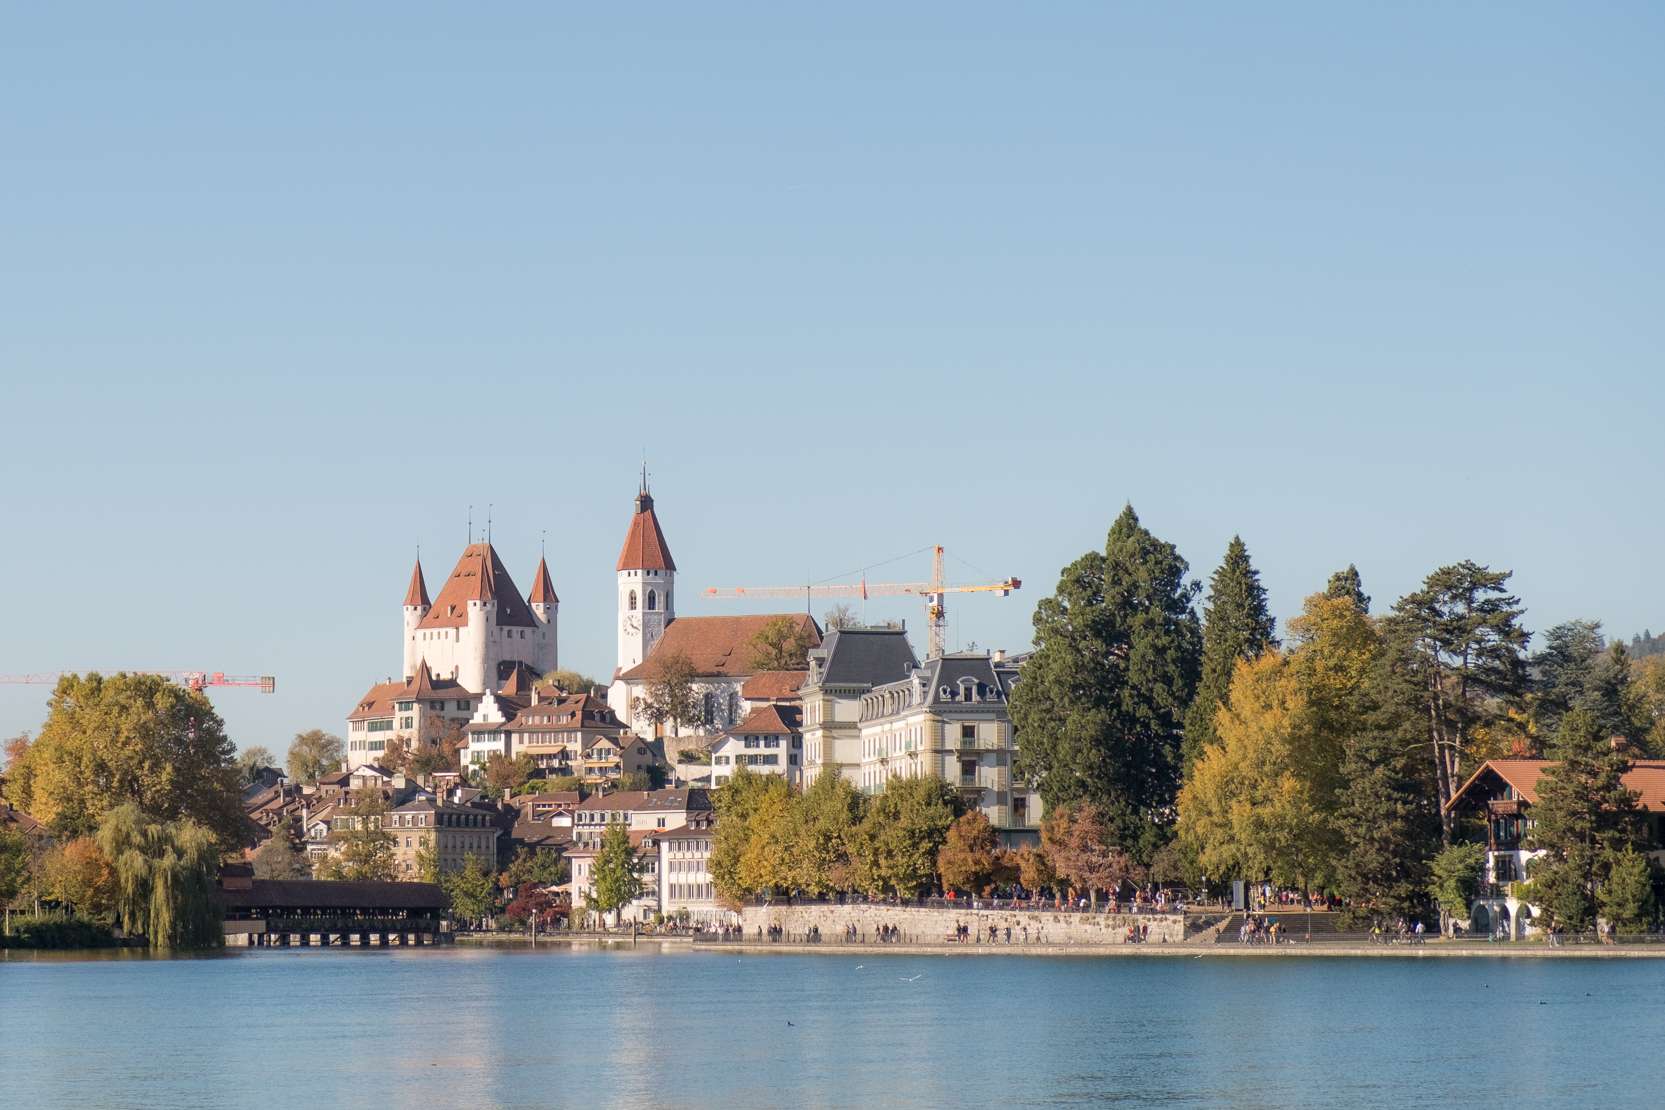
point(283, 292)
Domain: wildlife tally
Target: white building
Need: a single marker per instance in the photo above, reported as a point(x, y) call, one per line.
point(720, 648)
point(767, 742)
point(685, 885)
point(480, 625)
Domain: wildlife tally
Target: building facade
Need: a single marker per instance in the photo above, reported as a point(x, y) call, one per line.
point(849, 663)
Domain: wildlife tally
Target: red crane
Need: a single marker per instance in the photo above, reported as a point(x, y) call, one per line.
point(193, 680)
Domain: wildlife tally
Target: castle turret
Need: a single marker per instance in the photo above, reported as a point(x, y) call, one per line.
point(416, 607)
point(479, 624)
point(546, 609)
point(647, 584)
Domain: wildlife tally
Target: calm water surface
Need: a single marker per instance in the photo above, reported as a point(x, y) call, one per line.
point(469, 1027)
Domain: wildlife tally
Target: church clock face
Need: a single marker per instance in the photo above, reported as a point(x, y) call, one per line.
point(632, 623)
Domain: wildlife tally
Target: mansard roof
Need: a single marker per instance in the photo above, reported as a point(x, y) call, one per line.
point(864, 657)
point(718, 645)
point(644, 545)
point(543, 590)
point(479, 576)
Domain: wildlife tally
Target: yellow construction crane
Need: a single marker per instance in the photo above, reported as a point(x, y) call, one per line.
point(934, 592)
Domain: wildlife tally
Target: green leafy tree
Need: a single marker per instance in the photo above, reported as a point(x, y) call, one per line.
point(969, 855)
point(427, 862)
point(896, 845)
point(781, 645)
point(279, 857)
point(536, 867)
point(1626, 898)
point(1463, 631)
point(570, 681)
point(16, 862)
point(129, 738)
point(1102, 701)
point(737, 802)
point(1583, 816)
point(367, 849)
point(471, 890)
point(314, 753)
point(251, 761)
point(1346, 585)
point(617, 880)
point(1454, 878)
point(766, 863)
point(165, 874)
point(670, 695)
point(826, 818)
point(1236, 626)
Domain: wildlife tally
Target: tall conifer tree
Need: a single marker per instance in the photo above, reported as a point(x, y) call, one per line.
point(1347, 584)
point(1236, 625)
point(1100, 707)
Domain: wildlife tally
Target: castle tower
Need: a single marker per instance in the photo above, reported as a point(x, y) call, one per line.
point(416, 607)
point(479, 624)
point(647, 584)
point(546, 608)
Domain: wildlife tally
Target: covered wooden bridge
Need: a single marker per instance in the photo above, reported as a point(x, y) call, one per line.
point(264, 912)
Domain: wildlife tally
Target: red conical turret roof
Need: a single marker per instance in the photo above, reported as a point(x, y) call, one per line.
point(417, 594)
point(644, 545)
point(543, 590)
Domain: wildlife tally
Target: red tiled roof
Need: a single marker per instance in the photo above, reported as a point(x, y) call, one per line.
point(1646, 778)
point(768, 720)
point(377, 702)
point(773, 685)
point(543, 590)
point(479, 576)
point(644, 545)
point(718, 645)
point(417, 594)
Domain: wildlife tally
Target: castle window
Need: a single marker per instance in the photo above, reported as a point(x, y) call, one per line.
point(653, 600)
point(632, 602)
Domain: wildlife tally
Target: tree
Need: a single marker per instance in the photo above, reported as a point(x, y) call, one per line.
point(670, 693)
point(1584, 815)
point(504, 776)
point(737, 802)
point(16, 865)
point(570, 682)
point(251, 761)
point(1454, 877)
point(766, 863)
point(396, 755)
point(896, 844)
point(780, 645)
point(1035, 870)
point(1101, 703)
point(1346, 585)
point(1626, 898)
point(165, 873)
point(17, 786)
point(279, 857)
point(366, 853)
point(470, 889)
point(77, 874)
point(539, 867)
point(1463, 631)
point(827, 815)
point(427, 862)
point(967, 859)
point(313, 754)
point(563, 784)
point(129, 738)
point(1083, 853)
point(1236, 626)
point(617, 879)
point(840, 616)
point(1647, 697)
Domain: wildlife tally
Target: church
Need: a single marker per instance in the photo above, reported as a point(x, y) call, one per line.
point(720, 648)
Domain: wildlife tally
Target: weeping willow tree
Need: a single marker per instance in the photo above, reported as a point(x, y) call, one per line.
point(165, 873)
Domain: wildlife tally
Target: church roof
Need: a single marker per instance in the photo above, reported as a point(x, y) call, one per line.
point(543, 590)
point(644, 545)
point(479, 576)
point(773, 685)
point(718, 645)
point(417, 594)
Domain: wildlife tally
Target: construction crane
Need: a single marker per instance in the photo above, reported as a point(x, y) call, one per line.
point(935, 593)
point(191, 680)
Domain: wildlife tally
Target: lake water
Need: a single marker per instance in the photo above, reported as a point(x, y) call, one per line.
point(556, 1027)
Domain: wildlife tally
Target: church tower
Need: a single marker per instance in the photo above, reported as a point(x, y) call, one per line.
point(416, 607)
point(647, 584)
point(546, 609)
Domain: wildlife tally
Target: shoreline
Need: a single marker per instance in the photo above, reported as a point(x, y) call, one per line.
point(1320, 950)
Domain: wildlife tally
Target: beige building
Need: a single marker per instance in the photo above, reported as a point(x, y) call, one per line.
point(948, 718)
point(849, 663)
point(454, 832)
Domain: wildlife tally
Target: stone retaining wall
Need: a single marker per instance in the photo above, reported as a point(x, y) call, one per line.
point(936, 926)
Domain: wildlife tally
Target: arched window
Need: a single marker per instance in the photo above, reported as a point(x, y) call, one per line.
point(632, 601)
point(653, 600)
point(709, 708)
point(733, 706)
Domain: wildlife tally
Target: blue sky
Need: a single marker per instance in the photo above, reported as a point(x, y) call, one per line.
point(282, 293)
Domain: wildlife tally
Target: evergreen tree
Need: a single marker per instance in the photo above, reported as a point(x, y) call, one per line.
point(1236, 626)
point(1347, 584)
point(1462, 632)
point(1626, 898)
point(1584, 814)
point(1101, 704)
